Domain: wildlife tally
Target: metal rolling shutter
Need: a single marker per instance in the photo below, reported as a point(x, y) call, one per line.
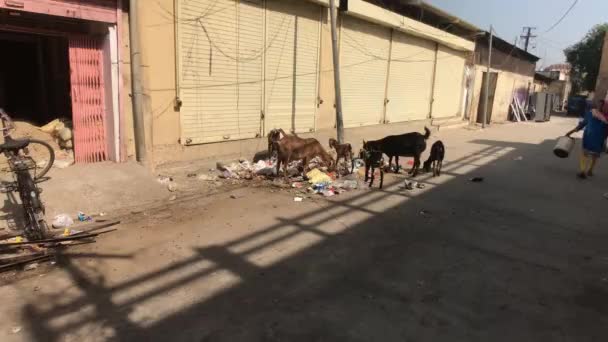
point(220, 45)
point(410, 78)
point(364, 49)
point(292, 37)
point(448, 82)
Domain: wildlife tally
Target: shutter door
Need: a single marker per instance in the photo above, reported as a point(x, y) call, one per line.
point(221, 45)
point(88, 99)
point(410, 80)
point(292, 37)
point(448, 82)
point(363, 67)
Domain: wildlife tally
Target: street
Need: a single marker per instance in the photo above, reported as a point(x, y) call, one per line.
point(520, 256)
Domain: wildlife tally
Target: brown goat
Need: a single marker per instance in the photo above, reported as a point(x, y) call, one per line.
point(342, 151)
point(290, 150)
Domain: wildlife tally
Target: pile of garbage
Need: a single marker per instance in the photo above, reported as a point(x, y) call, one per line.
point(319, 182)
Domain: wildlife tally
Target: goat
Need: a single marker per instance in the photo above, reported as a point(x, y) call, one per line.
point(435, 160)
point(290, 150)
point(279, 134)
point(273, 136)
point(343, 151)
point(372, 160)
point(404, 145)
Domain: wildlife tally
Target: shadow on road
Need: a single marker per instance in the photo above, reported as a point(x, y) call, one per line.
point(516, 257)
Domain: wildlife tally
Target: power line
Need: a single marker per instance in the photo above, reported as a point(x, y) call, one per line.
point(563, 16)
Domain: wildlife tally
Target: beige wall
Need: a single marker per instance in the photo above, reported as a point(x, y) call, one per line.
point(157, 34)
point(506, 86)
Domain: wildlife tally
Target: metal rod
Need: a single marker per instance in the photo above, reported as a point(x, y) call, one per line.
point(23, 262)
point(336, 58)
point(60, 239)
point(136, 85)
point(487, 90)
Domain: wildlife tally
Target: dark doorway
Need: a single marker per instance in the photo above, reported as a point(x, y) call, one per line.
point(491, 94)
point(34, 77)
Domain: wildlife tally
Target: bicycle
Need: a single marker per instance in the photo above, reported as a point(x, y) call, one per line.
point(26, 177)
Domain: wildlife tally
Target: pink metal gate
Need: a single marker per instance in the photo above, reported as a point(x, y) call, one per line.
point(88, 99)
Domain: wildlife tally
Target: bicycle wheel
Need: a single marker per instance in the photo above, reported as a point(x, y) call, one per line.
point(43, 154)
point(36, 227)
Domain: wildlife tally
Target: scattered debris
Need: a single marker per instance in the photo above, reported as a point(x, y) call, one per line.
point(173, 198)
point(316, 176)
point(172, 186)
point(477, 179)
point(328, 192)
point(424, 212)
point(70, 232)
point(298, 199)
point(410, 185)
point(518, 158)
point(62, 221)
point(16, 330)
point(421, 186)
point(347, 184)
point(31, 267)
point(29, 254)
point(192, 175)
point(82, 217)
point(164, 180)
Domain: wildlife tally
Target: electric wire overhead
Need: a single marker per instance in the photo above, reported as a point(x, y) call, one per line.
point(562, 18)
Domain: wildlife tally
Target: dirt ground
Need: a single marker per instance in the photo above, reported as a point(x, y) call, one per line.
point(519, 256)
point(110, 188)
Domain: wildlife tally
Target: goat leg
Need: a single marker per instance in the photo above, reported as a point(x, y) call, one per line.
point(381, 178)
point(416, 166)
point(396, 164)
point(371, 182)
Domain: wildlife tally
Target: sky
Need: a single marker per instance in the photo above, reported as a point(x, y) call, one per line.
point(508, 17)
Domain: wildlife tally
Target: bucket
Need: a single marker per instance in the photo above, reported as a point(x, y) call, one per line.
point(563, 147)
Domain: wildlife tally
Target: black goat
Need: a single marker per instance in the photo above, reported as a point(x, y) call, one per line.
point(404, 145)
point(372, 160)
point(435, 160)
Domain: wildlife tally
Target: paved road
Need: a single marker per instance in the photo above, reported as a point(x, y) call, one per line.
point(521, 256)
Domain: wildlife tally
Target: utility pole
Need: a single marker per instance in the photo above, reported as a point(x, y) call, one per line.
point(336, 57)
point(487, 90)
point(136, 86)
point(527, 35)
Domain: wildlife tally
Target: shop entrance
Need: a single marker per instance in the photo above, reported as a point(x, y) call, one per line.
point(56, 83)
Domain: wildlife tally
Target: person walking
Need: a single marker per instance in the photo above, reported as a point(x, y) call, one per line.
point(595, 127)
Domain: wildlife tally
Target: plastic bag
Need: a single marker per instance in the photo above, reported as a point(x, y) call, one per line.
point(62, 221)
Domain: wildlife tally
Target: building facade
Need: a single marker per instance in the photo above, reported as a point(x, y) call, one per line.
point(511, 76)
point(220, 74)
point(65, 59)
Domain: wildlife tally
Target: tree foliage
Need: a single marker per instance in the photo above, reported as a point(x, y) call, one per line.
point(585, 57)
